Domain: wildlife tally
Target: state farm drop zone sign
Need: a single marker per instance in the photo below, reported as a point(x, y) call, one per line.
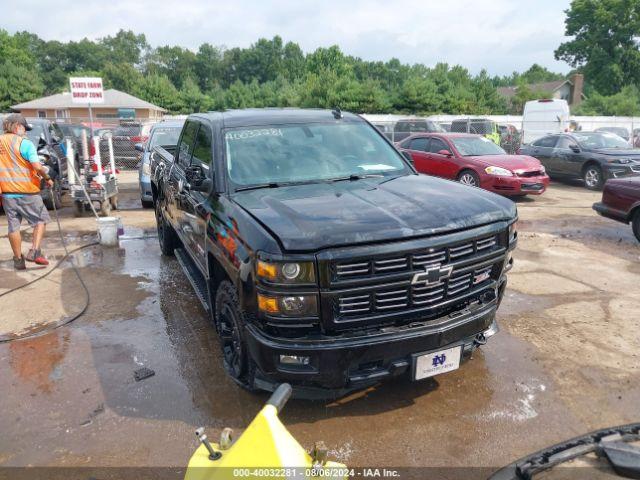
point(86, 90)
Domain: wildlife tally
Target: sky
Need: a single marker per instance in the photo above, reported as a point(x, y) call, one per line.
point(500, 36)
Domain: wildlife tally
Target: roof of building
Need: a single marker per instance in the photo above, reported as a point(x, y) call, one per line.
point(112, 99)
point(536, 87)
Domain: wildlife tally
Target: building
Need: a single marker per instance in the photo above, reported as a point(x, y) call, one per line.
point(117, 105)
point(569, 89)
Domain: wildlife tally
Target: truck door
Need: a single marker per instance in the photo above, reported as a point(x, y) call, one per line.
point(195, 212)
point(177, 193)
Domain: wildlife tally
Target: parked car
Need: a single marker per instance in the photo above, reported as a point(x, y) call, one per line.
point(543, 117)
point(323, 258)
point(403, 128)
point(125, 137)
point(47, 136)
point(620, 131)
point(635, 140)
point(621, 202)
point(593, 156)
point(161, 134)
point(477, 161)
point(479, 126)
point(509, 137)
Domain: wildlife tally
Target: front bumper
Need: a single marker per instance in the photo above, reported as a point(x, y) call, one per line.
point(616, 170)
point(517, 185)
point(339, 365)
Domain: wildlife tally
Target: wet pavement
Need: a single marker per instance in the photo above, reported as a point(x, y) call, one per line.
point(69, 397)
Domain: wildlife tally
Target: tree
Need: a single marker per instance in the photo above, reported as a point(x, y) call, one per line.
point(18, 84)
point(191, 99)
point(605, 42)
point(159, 90)
point(624, 103)
point(121, 76)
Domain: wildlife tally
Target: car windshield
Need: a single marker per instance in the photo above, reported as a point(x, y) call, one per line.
point(621, 132)
point(598, 141)
point(127, 131)
point(471, 146)
point(165, 136)
point(36, 133)
point(308, 152)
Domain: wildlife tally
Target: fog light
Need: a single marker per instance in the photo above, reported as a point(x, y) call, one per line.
point(293, 305)
point(294, 360)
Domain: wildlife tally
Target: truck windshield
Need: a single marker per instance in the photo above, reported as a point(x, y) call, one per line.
point(308, 152)
point(476, 146)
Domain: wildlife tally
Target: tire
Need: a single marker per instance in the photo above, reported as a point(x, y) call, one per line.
point(635, 224)
point(593, 177)
point(469, 177)
point(146, 203)
point(229, 323)
point(105, 208)
point(54, 196)
point(167, 236)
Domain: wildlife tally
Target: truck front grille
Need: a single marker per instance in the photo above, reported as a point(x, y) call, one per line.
point(383, 298)
point(411, 261)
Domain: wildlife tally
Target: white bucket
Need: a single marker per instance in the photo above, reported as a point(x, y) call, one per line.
point(108, 231)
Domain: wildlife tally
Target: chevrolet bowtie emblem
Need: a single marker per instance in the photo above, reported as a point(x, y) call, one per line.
point(432, 275)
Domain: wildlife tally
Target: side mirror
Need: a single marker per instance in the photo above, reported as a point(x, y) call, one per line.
point(139, 147)
point(41, 142)
point(446, 153)
point(408, 156)
point(574, 148)
point(198, 181)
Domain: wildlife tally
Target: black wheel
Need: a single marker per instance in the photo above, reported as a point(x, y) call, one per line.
point(469, 177)
point(593, 178)
point(635, 224)
point(53, 197)
point(167, 236)
point(114, 202)
point(105, 208)
point(228, 320)
point(146, 203)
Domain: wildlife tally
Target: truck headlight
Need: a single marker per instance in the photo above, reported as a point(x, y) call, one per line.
point(286, 272)
point(288, 305)
point(499, 171)
point(513, 231)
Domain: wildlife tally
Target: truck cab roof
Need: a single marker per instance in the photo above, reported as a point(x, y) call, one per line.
point(273, 116)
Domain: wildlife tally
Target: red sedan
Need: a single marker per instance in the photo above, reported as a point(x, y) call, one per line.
point(477, 161)
point(621, 202)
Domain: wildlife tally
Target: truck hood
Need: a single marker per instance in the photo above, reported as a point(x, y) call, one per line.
point(510, 162)
point(317, 216)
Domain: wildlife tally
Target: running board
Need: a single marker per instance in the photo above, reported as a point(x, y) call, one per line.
point(198, 282)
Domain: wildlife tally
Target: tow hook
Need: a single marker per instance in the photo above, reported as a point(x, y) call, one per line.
point(480, 339)
point(213, 455)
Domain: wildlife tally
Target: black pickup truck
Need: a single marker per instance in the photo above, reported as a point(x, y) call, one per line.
point(322, 257)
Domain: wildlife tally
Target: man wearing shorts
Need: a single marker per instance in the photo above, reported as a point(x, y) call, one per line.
point(20, 176)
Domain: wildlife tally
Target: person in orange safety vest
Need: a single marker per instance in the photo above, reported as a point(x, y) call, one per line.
point(20, 176)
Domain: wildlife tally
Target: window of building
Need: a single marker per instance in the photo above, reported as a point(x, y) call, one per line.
point(42, 114)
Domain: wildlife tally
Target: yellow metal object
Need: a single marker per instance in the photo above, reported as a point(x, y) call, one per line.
point(267, 270)
point(268, 304)
point(265, 449)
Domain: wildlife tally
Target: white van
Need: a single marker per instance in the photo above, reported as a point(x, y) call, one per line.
point(544, 116)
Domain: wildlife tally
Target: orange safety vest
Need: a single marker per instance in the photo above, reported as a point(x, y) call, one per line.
point(16, 174)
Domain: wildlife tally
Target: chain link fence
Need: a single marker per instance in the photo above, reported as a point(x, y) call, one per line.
point(507, 130)
point(117, 137)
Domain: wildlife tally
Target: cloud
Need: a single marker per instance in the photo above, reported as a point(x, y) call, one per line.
point(500, 36)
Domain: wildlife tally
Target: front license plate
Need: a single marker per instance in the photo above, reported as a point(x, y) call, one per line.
point(430, 364)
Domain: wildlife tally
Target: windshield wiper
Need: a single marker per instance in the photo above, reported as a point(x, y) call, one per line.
point(256, 187)
point(355, 176)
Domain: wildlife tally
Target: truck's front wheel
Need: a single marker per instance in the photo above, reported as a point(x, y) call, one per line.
point(228, 318)
point(167, 236)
